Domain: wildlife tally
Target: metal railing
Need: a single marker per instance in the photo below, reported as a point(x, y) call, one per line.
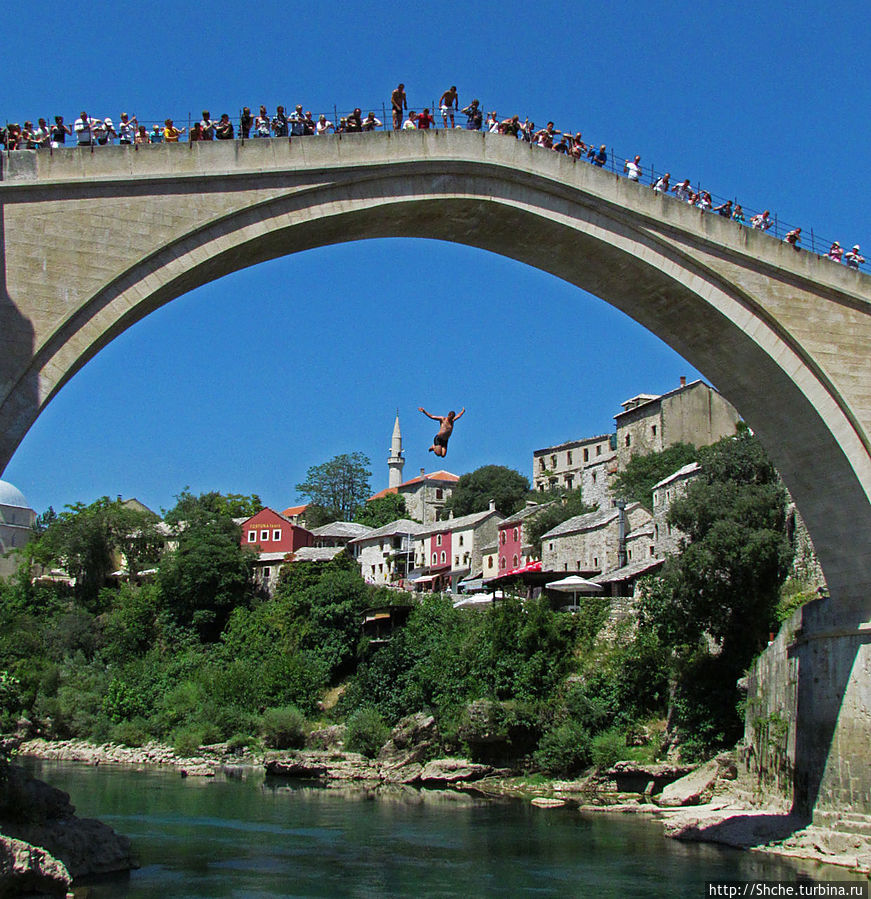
point(811, 242)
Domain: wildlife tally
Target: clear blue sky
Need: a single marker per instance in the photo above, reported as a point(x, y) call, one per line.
point(243, 384)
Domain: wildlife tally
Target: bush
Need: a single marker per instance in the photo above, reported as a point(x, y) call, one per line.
point(186, 741)
point(564, 750)
point(130, 733)
point(284, 728)
point(608, 747)
point(367, 732)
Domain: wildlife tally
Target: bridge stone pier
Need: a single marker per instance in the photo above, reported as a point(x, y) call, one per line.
point(92, 241)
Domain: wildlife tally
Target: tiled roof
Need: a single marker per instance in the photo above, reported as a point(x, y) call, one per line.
point(444, 476)
point(633, 569)
point(392, 529)
point(524, 513)
point(317, 553)
point(684, 472)
point(583, 522)
point(294, 510)
point(458, 524)
point(349, 529)
point(571, 443)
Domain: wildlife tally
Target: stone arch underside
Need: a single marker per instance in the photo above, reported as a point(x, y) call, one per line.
point(720, 326)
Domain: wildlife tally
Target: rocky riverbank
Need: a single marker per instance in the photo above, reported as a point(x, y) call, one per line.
point(715, 802)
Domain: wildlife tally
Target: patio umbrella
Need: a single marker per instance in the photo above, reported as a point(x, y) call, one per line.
point(575, 584)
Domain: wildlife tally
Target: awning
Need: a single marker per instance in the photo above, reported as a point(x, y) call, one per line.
point(529, 568)
point(426, 579)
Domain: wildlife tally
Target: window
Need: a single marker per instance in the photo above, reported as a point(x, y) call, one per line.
point(252, 536)
point(628, 439)
point(565, 566)
point(444, 557)
point(438, 540)
point(516, 535)
point(653, 430)
point(553, 461)
point(456, 561)
point(629, 555)
point(435, 558)
point(594, 477)
point(568, 457)
point(515, 561)
point(656, 531)
point(264, 535)
point(502, 537)
point(461, 539)
point(586, 455)
point(276, 534)
point(439, 493)
point(651, 551)
point(595, 561)
point(380, 568)
point(550, 546)
point(570, 480)
point(541, 465)
point(266, 572)
point(501, 561)
point(598, 450)
point(490, 561)
point(373, 567)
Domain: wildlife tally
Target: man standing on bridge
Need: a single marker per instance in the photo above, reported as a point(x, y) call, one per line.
point(398, 103)
point(440, 441)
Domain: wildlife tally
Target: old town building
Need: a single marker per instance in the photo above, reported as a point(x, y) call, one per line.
point(386, 554)
point(16, 523)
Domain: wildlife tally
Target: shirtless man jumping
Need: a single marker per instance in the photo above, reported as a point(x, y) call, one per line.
point(440, 441)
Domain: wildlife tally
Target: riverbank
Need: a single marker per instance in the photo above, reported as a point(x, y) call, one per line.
point(711, 803)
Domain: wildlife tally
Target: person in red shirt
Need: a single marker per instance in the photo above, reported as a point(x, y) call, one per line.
point(424, 120)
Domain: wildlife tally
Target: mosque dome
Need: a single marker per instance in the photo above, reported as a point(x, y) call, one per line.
point(12, 496)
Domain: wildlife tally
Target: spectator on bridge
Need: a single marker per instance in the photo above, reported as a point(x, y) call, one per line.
point(704, 201)
point(280, 124)
point(370, 123)
point(355, 121)
point(142, 136)
point(836, 252)
point(793, 238)
point(156, 135)
point(126, 129)
point(246, 123)
point(105, 132)
point(425, 120)
point(762, 221)
point(633, 169)
point(297, 129)
point(738, 214)
point(577, 147)
point(84, 127)
point(601, 157)
point(13, 136)
point(208, 125)
point(224, 129)
point(59, 132)
point(661, 185)
point(683, 191)
point(853, 258)
point(196, 134)
point(410, 124)
point(474, 116)
point(308, 124)
point(42, 134)
point(724, 209)
point(27, 136)
point(171, 134)
point(545, 136)
point(398, 103)
point(323, 126)
point(492, 123)
point(262, 125)
point(449, 103)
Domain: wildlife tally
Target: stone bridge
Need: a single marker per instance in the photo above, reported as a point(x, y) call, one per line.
point(94, 240)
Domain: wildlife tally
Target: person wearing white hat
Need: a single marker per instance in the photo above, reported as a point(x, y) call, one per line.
point(105, 132)
point(836, 252)
point(854, 259)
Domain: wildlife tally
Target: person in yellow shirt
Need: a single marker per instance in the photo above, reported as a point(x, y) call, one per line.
point(171, 133)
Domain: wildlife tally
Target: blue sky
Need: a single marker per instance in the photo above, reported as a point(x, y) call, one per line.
point(243, 384)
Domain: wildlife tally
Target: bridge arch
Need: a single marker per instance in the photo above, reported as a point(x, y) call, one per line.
point(782, 335)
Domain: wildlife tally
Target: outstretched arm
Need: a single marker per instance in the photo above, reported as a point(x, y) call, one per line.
point(461, 413)
point(433, 417)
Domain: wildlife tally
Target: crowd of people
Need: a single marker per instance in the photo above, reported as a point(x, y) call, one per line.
point(93, 132)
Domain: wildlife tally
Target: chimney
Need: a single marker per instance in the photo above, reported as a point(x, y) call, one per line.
point(492, 505)
point(422, 472)
point(683, 380)
point(621, 532)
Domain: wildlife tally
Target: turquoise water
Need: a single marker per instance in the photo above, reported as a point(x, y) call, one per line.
point(250, 837)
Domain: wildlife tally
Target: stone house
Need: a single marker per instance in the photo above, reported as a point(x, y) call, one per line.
point(693, 413)
point(386, 554)
point(16, 523)
point(425, 496)
point(667, 538)
point(338, 533)
point(598, 542)
point(587, 463)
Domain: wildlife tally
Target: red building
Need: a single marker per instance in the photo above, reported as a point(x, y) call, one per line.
point(270, 532)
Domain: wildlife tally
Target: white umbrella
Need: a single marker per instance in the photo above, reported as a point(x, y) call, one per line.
point(575, 584)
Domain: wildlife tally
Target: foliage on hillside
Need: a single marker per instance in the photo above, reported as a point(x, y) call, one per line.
point(476, 489)
point(557, 506)
point(340, 486)
point(378, 512)
point(637, 480)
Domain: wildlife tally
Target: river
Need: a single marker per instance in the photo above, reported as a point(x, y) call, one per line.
point(248, 836)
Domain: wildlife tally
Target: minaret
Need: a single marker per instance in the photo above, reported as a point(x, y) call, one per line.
point(395, 462)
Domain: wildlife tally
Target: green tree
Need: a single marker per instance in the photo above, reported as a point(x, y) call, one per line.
point(231, 505)
point(209, 572)
point(715, 603)
point(476, 489)
point(378, 512)
point(341, 485)
point(559, 506)
point(87, 541)
point(635, 483)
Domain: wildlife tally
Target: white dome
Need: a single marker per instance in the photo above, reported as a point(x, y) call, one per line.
point(12, 496)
